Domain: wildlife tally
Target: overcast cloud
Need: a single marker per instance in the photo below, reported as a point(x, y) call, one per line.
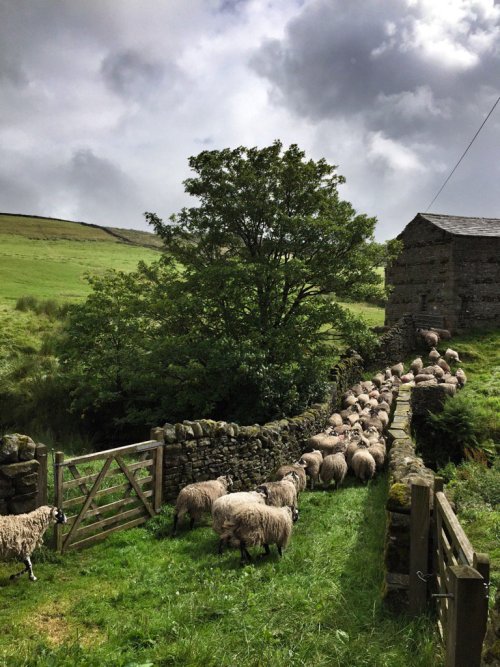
point(102, 103)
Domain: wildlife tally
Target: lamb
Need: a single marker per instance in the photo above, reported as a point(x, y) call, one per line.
point(282, 493)
point(334, 467)
point(254, 525)
point(224, 507)
point(363, 464)
point(21, 534)
point(451, 355)
point(198, 498)
point(294, 467)
point(312, 462)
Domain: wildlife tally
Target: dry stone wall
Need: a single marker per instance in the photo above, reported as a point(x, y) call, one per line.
point(22, 471)
point(199, 450)
point(396, 344)
point(405, 468)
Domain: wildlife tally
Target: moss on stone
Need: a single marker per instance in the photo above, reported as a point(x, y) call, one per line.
point(399, 495)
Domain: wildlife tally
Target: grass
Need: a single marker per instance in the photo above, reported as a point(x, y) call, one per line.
point(143, 598)
point(374, 315)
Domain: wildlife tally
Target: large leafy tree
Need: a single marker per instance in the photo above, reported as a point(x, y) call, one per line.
point(238, 320)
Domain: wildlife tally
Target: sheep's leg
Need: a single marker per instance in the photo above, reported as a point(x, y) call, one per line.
point(280, 550)
point(221, 546)
point(191, 522)
point(176, 518)
point(267, 550)
point(245, 556)
point(27, 568)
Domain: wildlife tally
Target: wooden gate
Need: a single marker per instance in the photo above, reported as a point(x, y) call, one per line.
point(107, 491)
point(459, 574)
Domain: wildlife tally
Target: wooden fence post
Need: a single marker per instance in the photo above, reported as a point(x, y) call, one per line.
point(41, 457)
point(419, 546)
point(468, 616)
point(58, 499)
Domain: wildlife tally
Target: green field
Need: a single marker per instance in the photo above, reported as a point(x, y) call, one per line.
point(48, 259)
point(144, 598)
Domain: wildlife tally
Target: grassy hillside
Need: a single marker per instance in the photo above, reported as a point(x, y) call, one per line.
point(49, 258)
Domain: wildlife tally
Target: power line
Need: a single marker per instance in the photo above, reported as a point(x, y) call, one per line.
point(463, 155)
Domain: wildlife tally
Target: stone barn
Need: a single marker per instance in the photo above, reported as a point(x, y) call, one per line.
point(448, 274)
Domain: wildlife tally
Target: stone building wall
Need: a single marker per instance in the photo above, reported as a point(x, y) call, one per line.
point(422, 276)
point(23, 474)
point(477, 280)
point(199, 450)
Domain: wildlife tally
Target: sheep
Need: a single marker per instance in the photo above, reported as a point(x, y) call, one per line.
point(398, 370)
point(451, 355)
point(416, 365)
point(461, 377)
point(431, 338)
point(425, 377)
point(407, 377)
point(224, 507)
point(442, 364)
point(334, 467)
point(349, 400)
point(282, 493)
point(198, 498)
point(434, 355)
point(294, 467)
point(335, 419)
point(312, 462)
point(255, 525)
point(378, 452)
point(21, 534)
point(378, 379)
point(363, 465)
point(323, 442)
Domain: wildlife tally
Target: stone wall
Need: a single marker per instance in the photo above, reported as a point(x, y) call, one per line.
point(204, 449)
point(405, 468)
point(23, 474)
point(476, 264)
point(396, 344)
point(422, 276)
point(199, 450)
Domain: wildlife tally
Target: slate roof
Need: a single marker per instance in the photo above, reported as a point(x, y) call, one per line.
point(462, 226)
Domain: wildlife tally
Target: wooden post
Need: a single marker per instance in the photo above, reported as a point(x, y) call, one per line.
point(419, 546)
point(438, 487)
point(58, 498)
point(158, 478)
point(41, 457)
point(467, 617)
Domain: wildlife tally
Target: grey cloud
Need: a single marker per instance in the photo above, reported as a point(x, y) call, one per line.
point(129, 74)
point(103, 192)
point(354, 57)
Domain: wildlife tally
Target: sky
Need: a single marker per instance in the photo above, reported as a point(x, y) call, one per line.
point(103, 101)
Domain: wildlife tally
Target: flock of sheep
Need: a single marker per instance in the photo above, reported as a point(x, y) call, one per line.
point(353, 439)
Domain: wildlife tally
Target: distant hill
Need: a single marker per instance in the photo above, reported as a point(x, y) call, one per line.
point(56, 229)
point(48, 258)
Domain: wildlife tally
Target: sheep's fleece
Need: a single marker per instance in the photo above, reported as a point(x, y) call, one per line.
point(21, 534)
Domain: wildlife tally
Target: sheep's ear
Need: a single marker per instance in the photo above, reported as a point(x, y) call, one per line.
point(263, 490)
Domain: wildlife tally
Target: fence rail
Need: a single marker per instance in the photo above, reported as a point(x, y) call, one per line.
point(107, 491)
point(459, 576)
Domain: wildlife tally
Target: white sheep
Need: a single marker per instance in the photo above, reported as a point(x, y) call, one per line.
point(444, 365)
point(377, 450)
point(293, 467)
point(312, 463)
point(461, 377)
point(434, 355)
point(451, 355)
point(21, 534)
point(398, 369)
point(198, 498)
point(260, 525)
point(363, 464)
point(416, 365)
point(224, 507)
point(282, 493)
point(334, 467)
